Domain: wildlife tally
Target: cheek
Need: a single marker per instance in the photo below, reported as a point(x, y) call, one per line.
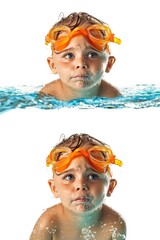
point(63, 71)
point(98, 190)
point(64, 189)
point(59, 65)
point(104, 63)
point(102, 188)
point(99, 67)
point(100, 195)
point(104, 66)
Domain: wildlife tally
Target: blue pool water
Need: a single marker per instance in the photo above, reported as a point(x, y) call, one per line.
point(137, 97)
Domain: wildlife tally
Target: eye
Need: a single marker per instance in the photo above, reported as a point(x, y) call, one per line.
point(93, 176)
point(69, 177)
point(92, 54)
point(69, 56)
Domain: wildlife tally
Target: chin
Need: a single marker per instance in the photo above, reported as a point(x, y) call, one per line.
point(83, 85)
point(83, 210)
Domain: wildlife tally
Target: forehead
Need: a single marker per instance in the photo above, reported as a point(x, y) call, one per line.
point(80, 167)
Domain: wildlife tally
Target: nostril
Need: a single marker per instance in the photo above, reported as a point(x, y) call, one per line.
point(83, 65)
point(83, 187)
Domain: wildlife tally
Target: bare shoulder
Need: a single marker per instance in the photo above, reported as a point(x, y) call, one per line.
point(50, 215)
point(108, 90)
point(46, 225)
point(115, 222)
point(50, 88)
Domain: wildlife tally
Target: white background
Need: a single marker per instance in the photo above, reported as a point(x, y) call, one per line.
point(27, 136)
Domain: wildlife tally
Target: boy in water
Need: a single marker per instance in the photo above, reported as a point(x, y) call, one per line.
point(81, 179)
point(80, 56)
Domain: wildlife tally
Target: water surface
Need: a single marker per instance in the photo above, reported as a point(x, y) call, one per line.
point(136, 97)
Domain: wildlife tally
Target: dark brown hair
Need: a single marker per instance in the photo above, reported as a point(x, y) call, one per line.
point(76, 19)
point(78, 140)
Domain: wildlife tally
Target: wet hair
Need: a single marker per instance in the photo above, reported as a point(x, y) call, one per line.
point(78, 140)
point(76, 19)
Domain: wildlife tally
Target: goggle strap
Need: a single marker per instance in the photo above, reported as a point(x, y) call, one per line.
point(118, 162)
point(117, 40)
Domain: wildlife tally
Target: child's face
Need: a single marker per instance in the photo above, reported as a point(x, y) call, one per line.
point(80, 187)
point(80, 66)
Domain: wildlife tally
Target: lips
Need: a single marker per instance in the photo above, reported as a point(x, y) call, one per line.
point(82, 80)
point(81, 75)
point(82, 199)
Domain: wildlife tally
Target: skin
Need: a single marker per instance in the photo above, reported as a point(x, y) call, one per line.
point(80, 68)
point(82, 191)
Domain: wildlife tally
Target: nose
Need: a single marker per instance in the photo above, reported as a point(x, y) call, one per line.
point(80, 63)
point(83, 66)
point(81, 185)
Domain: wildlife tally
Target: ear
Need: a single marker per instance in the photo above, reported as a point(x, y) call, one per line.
point(52, 65)
point(112, 185)
point(111, 61)
point(53, 188)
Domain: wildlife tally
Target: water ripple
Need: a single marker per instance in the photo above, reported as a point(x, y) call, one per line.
point(137, 97)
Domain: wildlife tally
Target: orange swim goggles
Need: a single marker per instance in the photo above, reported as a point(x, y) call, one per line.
point(99, 157)
point(98, 35)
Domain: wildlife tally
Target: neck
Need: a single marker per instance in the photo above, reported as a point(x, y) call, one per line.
point(84, 220)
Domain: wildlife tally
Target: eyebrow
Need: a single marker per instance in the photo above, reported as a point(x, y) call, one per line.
point(73, 48)
point(64, 172)
point(74, 170)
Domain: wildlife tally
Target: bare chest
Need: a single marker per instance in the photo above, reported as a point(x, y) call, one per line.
point(85, 233)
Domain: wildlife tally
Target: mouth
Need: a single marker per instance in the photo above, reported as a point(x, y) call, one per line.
point(81, 77)
point(82, 199)
point(82, 80)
